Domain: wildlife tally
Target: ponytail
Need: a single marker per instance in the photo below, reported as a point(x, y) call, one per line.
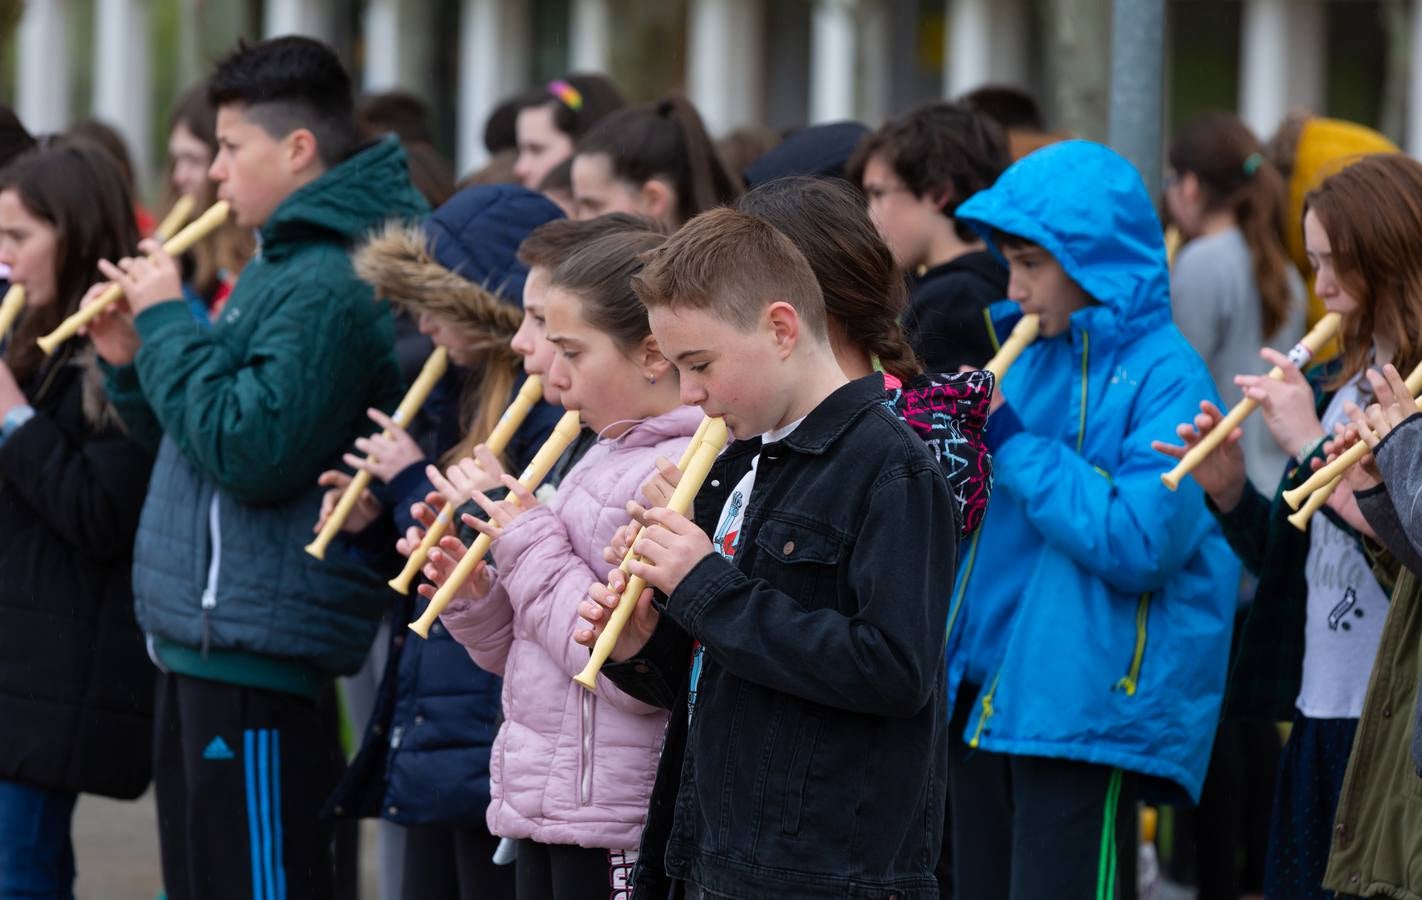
point(891, 348)
point(708, 183)
point(1260, 210)
point(667, 140)
point(1235, 175)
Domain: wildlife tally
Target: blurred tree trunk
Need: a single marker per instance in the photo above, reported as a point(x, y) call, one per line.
point(10, 11)
point(1392, 119)
point(1077, 63)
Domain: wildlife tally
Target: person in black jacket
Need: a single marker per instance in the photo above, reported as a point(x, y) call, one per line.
point(14, 141)
point(915, 171)
point(799, 633)
point(76, 687)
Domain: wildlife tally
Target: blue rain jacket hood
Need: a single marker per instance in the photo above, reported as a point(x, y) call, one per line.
point(1094, 607)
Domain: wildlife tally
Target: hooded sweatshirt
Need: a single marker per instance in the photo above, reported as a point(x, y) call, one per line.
point(247, 413)
point(947, 318)
point(1094, 606)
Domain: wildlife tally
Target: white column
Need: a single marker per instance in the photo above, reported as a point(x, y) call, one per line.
point(591, 34)
point(397, 46)
point(313, 18)
point(833, 53)
point(121, 77)
point(1008, 24)
point(727, 94)
point(1307, 61)
point(1264, 64)
point(190, 42)
point(876, 53)
point(968, 46)
point(1414, 80)
point(493, 63)
point(42, 82)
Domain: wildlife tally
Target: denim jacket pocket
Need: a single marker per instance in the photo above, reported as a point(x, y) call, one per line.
point(799, 560)
point(798, 775)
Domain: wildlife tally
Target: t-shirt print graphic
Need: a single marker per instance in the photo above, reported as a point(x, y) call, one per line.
point(1345, 613)
point(725, 540)
point(729, 528)
point(1336, 618)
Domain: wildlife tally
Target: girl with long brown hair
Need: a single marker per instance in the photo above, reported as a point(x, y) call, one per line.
point(76, 686)
point(575, 767)
point(1311, 633)
point(1232, 288)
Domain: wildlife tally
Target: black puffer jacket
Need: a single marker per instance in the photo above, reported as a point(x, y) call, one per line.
point(76, 686)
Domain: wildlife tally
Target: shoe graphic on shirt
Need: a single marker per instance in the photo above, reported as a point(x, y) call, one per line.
point(217, 749)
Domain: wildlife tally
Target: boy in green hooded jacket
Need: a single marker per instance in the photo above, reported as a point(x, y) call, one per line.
point(249, 630)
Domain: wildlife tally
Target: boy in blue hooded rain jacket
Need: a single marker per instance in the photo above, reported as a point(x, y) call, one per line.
point(1090, 625)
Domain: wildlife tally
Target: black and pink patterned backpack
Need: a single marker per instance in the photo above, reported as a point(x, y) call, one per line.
point(950, 411)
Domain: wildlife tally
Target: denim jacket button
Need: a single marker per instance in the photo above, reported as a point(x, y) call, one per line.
point(642, 668)
point(789, 548)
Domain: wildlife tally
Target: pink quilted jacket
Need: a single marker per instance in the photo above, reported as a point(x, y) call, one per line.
point(568, 766)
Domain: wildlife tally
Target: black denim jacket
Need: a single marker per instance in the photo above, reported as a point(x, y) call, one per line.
point(815, 765)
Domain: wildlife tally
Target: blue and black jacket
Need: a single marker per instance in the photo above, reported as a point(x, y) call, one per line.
point(1093, 610)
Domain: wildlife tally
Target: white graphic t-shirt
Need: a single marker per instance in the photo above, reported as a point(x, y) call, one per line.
point(1345, 612)
point(726, 538)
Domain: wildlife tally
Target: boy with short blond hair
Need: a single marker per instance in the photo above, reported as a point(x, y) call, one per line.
point(806, 752)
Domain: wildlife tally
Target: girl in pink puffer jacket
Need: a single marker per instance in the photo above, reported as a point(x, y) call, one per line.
point(572, 771)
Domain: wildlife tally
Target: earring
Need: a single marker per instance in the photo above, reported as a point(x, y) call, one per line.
point(651, 379)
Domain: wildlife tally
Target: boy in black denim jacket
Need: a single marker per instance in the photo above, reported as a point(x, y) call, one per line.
point(802, 651)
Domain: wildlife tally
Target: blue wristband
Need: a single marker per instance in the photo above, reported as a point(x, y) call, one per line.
point(17, 416)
